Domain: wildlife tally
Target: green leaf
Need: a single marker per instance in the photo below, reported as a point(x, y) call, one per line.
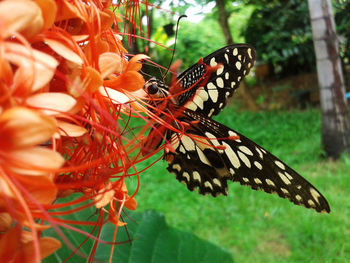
point(154, 241)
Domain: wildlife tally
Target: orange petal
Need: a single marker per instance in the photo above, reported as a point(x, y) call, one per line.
point(134, 63)
point(109, 63)
point(79, 38)
point(92, 79)
point(107, 19)
point(21, 127)
point(104, 196)
point(116, 96)
point(9, 244)
point(66, 11)
point(134, 97)
point(5, 222)
point(95, 47)
point(131, 204)
point(64, 51)
point(20, 16)
point(48, 10)
point(130, 81)
point(48, 245)
point(35, 161)
point(44, 191)
point(120, 223)
point(6, 73)
point(35, 68)
point(52, 102)
point(68, 129)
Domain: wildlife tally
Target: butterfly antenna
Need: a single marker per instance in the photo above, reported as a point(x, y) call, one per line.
point(172, 57)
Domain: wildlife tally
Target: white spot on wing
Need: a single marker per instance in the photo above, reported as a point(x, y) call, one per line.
point(213, 140)
point(289, 177)
point(188, 143)
point(245, 150)
point(235, 51)
point(233, 134)
point(177, 167)
point(182, 149)
point(213, 62)
point(208, 184)
point(186, 175)
point(250, 53)
point(191, 106)
point(231, 155)
point(217, 182)
point(175, 141)
point(213, 94)
point(196, 176)
point(269, 182)
point(284, 178)
point(238, 65)
point(210, 86)
point(220, 70)
point(315, 194)
point(211, 112)
point(311, 203)
point(258, 165)
point(259, 152)
point(226, 57)
point(257, 181)
point(227, 75)
point(203, 94)
point(202, 157)
point(245, 179)
point(280, 165)
point(285, 191)
point(198, 101)
point(220, 82)
point(244, 159)
point(298, 197)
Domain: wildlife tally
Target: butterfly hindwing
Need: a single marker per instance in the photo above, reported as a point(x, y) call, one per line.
point(209, 154)
point(208, 96)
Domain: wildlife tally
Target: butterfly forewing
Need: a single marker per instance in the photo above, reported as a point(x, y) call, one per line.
point(208, 95)
point(209, 154)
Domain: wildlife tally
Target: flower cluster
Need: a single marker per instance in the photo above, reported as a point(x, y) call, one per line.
point(65, 89)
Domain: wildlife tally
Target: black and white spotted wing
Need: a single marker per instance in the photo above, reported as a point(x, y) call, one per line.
point(209, 96)
point(204, 159)
point(203, 156)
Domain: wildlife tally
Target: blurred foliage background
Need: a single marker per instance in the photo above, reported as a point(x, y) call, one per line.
point(280, 31)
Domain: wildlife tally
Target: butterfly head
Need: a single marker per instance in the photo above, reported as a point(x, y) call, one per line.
point(155, 88)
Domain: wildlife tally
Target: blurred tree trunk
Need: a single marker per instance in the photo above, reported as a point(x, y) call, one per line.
point(223, 21)
point(335, 115)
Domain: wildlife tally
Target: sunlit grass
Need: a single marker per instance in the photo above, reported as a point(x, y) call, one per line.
point(255, 226)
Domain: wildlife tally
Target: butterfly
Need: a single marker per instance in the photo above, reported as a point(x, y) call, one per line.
point(205, 154)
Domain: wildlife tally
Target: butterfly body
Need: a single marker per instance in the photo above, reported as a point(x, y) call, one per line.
point(205, 154)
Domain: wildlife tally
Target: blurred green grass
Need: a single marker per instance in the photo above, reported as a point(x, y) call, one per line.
point(254, 226)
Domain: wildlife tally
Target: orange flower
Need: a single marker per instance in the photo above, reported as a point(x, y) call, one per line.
point(22, 162)
point(129, 79)
point(64, 82)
